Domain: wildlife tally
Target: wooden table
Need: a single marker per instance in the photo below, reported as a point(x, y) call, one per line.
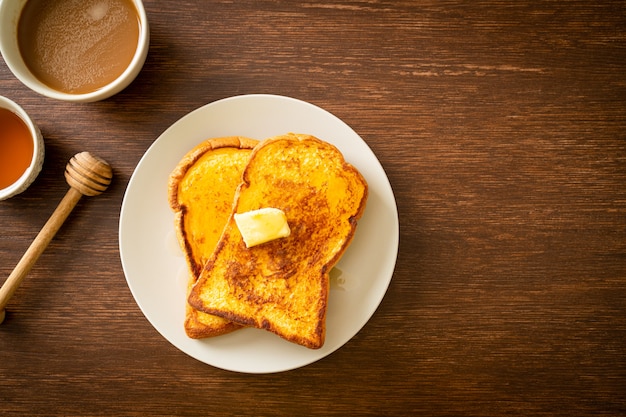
point(502, 128)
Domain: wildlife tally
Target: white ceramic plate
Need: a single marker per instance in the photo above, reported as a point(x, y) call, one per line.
point(155, 268)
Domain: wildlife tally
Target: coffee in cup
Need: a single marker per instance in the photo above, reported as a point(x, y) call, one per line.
point(75, 50)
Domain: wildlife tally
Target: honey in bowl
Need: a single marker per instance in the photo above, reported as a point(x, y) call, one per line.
point(16, 148)
point(78, 46)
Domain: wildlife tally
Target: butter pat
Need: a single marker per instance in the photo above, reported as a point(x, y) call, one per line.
point(262, 225)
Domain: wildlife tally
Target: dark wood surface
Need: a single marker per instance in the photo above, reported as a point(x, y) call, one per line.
point(502, 128)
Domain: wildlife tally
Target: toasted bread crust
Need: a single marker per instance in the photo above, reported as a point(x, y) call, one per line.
point(191, 157)
point(196, 236)
point(283, 285)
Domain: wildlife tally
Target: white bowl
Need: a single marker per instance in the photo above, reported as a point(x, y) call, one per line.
point(36, 162)
point(10, 11)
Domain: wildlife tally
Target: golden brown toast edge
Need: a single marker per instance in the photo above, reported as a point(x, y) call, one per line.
point(317, 340)
point(198, 324)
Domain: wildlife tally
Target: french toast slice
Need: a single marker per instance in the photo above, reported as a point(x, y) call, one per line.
point(283, 285)
point(201, 190)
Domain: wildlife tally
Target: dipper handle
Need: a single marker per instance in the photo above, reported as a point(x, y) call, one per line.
point(87, 175)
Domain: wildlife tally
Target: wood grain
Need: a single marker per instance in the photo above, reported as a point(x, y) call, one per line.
point(502, 128)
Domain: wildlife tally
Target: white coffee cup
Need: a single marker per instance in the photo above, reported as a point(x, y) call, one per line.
point(10, 11)
point(36, 162)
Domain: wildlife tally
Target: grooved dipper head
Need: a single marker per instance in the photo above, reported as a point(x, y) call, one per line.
point(88, 174)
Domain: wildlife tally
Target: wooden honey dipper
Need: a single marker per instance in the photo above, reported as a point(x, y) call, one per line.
point(87, 175)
